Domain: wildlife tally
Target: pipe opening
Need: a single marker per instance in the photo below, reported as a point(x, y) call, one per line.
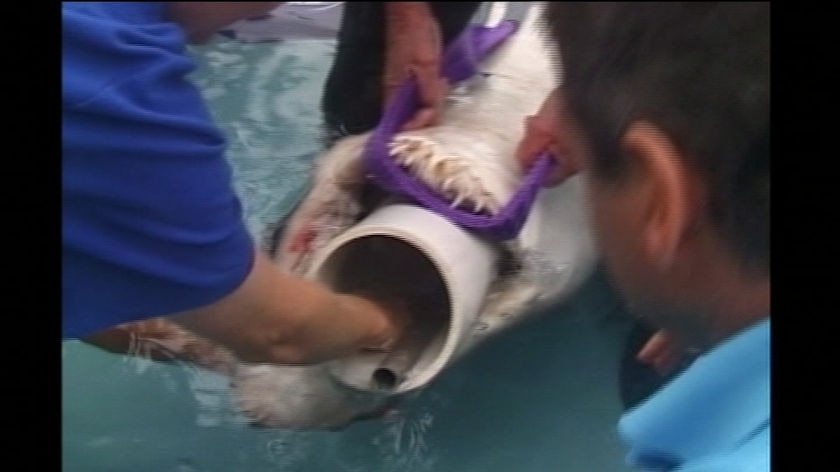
point(390, 269)
point(385, 379)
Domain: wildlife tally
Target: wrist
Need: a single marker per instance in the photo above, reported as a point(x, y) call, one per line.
point(407, 11)
point(404, 19)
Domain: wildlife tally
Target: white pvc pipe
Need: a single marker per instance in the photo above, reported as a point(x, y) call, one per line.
point(441, 272)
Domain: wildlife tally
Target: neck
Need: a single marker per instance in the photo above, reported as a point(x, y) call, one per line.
point(748, 303)
point(730, 301)
point(705, 298)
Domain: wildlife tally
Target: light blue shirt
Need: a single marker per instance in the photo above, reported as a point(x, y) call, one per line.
point(715, 416)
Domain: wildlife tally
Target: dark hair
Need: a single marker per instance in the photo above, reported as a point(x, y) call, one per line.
point(698, 71)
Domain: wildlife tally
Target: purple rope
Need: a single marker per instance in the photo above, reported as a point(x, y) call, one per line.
point(460, 62)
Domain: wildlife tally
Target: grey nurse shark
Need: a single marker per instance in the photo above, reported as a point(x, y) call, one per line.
point(467, 158)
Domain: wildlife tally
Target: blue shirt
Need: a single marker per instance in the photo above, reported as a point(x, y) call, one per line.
point(714, 417)
point(150, 221)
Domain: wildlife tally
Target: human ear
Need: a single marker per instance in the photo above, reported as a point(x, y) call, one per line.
point(660, 169)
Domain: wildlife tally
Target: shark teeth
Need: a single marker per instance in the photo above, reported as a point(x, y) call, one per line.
point(447, 173)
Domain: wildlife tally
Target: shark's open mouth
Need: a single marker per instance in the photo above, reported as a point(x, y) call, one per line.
point(355, 235)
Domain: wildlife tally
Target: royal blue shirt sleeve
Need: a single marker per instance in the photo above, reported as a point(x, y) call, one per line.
point(151, 224)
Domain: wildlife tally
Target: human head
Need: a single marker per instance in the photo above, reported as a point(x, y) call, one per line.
point(200, 20)
point(669, 107)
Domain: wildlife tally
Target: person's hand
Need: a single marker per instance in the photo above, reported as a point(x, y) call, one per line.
point(396, 321)
point(414, 48)
point(275, 317)
point(543, 133)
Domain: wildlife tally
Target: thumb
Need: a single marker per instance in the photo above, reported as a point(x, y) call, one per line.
point(533, 143)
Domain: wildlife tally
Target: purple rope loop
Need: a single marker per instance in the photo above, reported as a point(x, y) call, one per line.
point(460, 62)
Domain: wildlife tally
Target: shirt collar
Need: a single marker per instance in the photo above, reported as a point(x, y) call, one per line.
point(716, 404)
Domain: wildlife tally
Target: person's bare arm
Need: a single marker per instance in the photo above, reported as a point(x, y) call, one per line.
point(272, 317)
point(414, 46)
point(278, 318)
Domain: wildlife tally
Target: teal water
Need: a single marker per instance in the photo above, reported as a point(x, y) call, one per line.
point(540, 397)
